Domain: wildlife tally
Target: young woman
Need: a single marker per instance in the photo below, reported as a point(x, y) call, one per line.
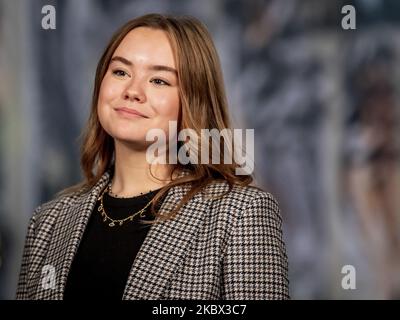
point(135, 229)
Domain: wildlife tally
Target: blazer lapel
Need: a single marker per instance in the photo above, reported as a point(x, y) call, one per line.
point(165, 247)
point(68, 230)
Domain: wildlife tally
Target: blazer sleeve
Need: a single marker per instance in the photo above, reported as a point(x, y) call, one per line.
point(255, 263)
point(22, 287)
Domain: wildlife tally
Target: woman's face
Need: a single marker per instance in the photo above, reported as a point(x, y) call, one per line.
point(141, 76)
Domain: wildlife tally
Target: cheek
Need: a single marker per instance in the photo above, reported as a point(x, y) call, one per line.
point(168, 106)
point(108, 90)
point(106, 94)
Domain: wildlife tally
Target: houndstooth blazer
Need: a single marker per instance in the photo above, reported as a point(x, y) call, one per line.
point(230, 248)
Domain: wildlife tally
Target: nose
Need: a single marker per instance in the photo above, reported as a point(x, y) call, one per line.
point(134, 92)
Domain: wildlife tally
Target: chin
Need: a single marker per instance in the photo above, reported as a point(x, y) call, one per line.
point(133, 140)
point(132, 134)
point(130, 138)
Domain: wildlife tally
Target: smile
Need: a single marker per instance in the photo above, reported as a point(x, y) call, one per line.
point(130, 113)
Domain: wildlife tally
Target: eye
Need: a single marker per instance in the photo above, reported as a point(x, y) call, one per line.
point(119, 73)
point(159, 82)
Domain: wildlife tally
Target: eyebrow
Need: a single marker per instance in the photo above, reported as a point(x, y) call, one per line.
point(151, 67)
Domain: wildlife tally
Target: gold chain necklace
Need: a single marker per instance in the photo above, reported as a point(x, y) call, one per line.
point(114, 222)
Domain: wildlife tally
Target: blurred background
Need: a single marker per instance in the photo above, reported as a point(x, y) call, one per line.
point(324, 103)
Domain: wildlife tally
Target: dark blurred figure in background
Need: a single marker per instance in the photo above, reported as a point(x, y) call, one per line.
point(373, 166)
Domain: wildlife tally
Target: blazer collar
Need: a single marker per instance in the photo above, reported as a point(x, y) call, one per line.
point(72, 215)
point(160, 254)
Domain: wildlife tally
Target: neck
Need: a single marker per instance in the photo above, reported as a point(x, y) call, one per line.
point(132, 172)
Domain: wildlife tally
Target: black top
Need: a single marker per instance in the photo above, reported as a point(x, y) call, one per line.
point(105, 255)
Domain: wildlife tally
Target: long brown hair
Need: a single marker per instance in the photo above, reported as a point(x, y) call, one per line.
point(203, 106)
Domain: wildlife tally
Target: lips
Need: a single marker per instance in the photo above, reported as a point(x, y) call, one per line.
point(130, 111)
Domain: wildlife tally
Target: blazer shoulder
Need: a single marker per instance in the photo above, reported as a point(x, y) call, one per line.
point(245, 195)
point(51, 208)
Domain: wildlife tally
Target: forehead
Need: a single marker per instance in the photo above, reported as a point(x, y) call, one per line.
point(145, 45)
